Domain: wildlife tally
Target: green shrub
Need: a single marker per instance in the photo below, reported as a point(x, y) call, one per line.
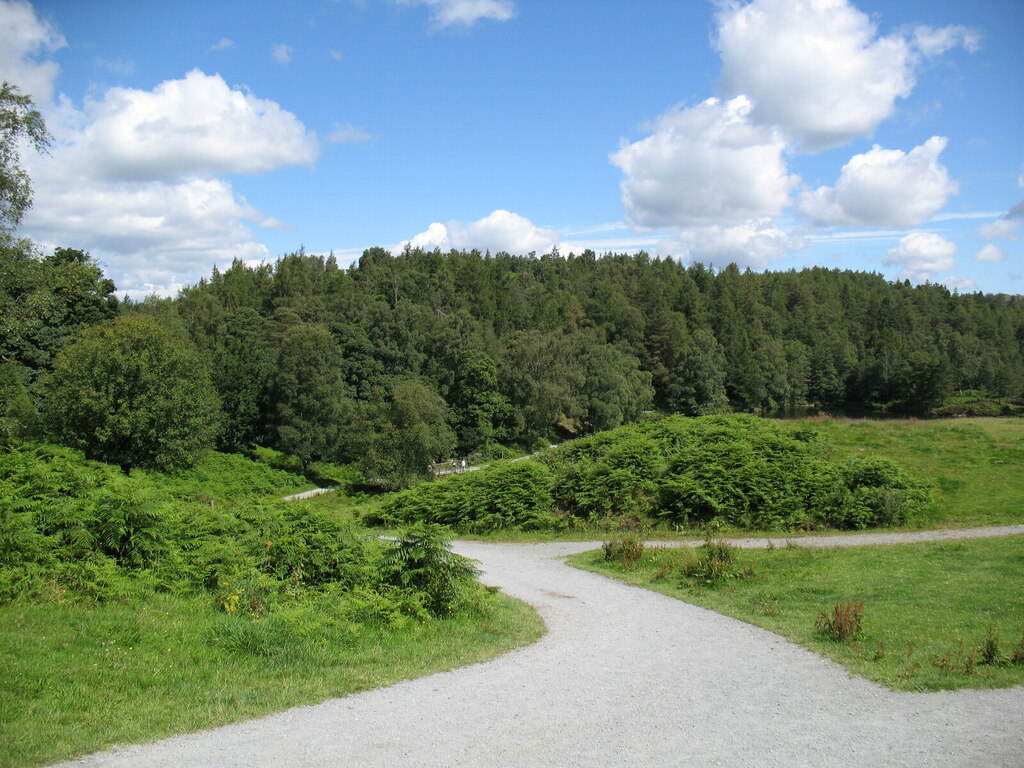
point(715, 563)
point(625, 552)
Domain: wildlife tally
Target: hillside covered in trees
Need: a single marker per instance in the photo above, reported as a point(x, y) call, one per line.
point(398, 361)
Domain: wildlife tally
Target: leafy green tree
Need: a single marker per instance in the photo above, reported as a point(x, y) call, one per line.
point(479, 408)
point(18, 417)
point(242, 368)
point(18, 120)
point(46, 300)
point(412, 433)
point(133, 393)
point(309, 402)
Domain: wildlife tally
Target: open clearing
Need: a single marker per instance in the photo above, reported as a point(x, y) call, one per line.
point(624, 677)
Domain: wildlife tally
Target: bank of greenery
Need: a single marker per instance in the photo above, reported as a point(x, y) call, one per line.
point(202, 592)
point(735, 470)
point(932, 616)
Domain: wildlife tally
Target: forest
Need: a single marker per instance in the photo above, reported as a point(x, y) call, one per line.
point(399, 361)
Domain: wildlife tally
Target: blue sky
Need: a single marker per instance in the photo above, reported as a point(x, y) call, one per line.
point(880, 136)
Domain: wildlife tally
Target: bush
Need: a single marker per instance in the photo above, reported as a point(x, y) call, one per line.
point(505, 496)
point(715, 563)
point(626, 552)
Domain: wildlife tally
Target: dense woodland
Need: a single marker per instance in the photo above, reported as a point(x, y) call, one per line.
point(401, 360)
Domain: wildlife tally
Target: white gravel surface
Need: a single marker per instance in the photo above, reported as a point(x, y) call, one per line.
point(624, 677)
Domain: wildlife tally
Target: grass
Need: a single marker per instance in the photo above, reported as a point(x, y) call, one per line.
point(975, 466)
point(80, 678)
point(928, 608)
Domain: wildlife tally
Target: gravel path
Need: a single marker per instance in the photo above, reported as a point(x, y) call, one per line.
point(624, 677)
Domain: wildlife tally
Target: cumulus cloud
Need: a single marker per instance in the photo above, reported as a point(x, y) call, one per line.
point(959, 283)
point(1000, 229)
point(934, 41)
point(499, 231)
point(755, 244)
point(154, 236)
point(132, 176)
point(884, 187)
point(920, 254)
point(281, 53)
point(465, 13)
point(197, 125)
point(223, 44)
point(25, 41)
point(990, 252)
point(818, 68)
point(704, 165)
point(344, 133)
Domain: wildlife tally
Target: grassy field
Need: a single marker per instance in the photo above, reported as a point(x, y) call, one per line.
point(975, 466)
point(927, 608)
point(80, 678)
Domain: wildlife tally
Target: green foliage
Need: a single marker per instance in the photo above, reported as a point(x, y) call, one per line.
point(132, 393)
point(422, 564)
point(18, 416)
point(18, 119)
point(505, 496)
point(626, 552)
point(715, 563)
point(308, 393)
point(735, 470)
point(72, 529)
point(411, 434)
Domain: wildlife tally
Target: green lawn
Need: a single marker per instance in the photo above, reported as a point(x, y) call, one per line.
point(80, 678)
point(975, 466)
point(921, 601)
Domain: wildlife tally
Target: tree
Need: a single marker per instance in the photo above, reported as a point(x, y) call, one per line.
point(134, 393)
point(18, 119)
point(308, 393)
point(479, 408)
point(242, 367)
point(412, 433)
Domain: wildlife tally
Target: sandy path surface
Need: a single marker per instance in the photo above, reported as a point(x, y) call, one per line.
point(624, 677)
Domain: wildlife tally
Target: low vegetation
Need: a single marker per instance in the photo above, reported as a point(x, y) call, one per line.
point(974, 467)
point(929, 616)
point(135, 606)
point(737, 470)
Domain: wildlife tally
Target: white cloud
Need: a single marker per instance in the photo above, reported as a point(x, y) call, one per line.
point(754, 244)
point(818, 68)
point(117, 66)
point(959, 283)
point(193, 126)
point(920, 254)
point(466, 13)
point(336, 54)
point(499, 231)
point(223, 44)
point(999, 229)
point(281, 53)
point(705, 165)
point(25, 39)
point(153, 236)
point(990, 252)
point(885, 187)
point(348, 133)
point(934, 41)
point(132, 175)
